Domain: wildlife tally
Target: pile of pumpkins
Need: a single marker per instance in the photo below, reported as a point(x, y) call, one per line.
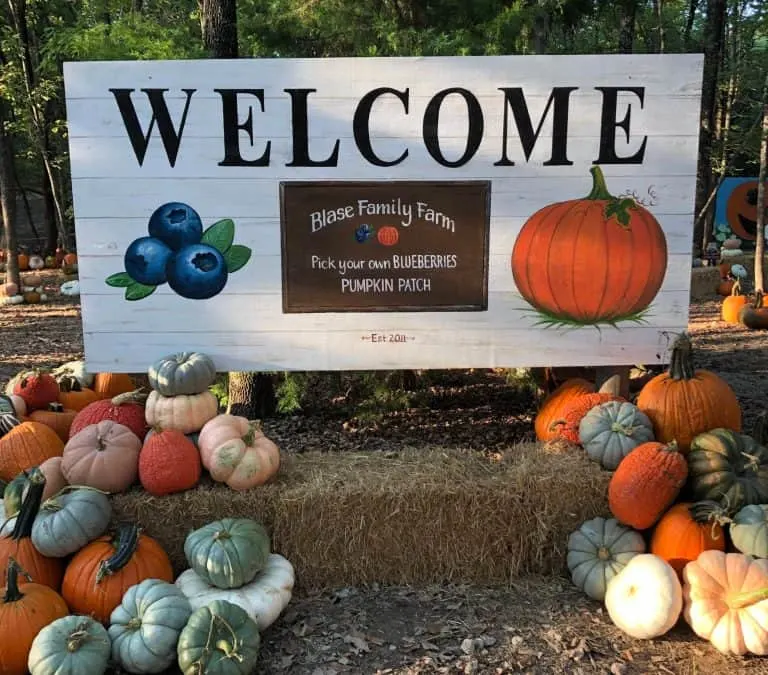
point(64, 260)
point(69, 439)
point(746, 310)
point(687, 533)
point(31, 291)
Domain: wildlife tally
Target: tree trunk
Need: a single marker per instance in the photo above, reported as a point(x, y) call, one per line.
point(627, 14)
point(251, 395)
point(694, 5)
point(658, 10)
point(713, 37)
point(761, 180)
point(218, 22)
point(8, 200)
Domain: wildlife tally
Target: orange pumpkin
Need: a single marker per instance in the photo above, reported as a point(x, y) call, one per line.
point(388, 235)
point(23, 262)
point(26, 445)
point(755, 314)
point(57, 417)
point(733, 304)
point(741, 210)
point(725, 270)
point(576, 261)
point(725, 287)
point(684, 402)
point(70, 259)
point(24, 612)
point(567, 427)
point(645, 483)
point(553, 406)
point(18, 545)
point(109, 385)
point(75, 397)
point(99, 574)
point(687, 530)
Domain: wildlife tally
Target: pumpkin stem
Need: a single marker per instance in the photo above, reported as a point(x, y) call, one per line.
point(622, 429)
point(12, 592)
point(52, 503)
point(753, 461)
point(603, 553)
point(78, 637)
point(710, 511)
point(599, 187)
point(135, 396)
point(221, 534)
point(125, 546)
point(134, 623)
point(254, 427)
point(231, 651)
point(22, 529)
point(681, 362)
point(746, 599)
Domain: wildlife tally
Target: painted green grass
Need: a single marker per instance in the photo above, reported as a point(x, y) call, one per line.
point(547, 320)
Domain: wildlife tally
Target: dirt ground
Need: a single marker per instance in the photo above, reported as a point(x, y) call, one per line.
point(535, 625)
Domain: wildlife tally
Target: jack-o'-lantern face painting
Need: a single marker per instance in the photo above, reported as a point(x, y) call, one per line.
point(742, 210)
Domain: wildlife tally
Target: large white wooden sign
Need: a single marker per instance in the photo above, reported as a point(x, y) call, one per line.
point(384, 213)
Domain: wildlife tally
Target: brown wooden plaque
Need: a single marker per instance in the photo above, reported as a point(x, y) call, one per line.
point(385, 246)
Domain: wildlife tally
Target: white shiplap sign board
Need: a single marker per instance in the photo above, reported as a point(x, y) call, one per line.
point(593, 283)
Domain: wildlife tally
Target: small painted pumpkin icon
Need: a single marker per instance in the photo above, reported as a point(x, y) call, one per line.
point(388, 235)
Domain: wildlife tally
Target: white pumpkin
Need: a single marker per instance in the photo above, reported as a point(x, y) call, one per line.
point(186, 414)
point(70, 287)
point(263, 599)
point(645, 598)
point(36, 262)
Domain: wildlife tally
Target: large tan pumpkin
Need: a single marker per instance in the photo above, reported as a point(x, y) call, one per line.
point(187, 414)
point(103, 456)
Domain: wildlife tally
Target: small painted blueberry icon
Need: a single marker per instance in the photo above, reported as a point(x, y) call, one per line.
point(176, 224)
point(195, 263)
point(198, 272)
point(145, 260)
point(363, 233)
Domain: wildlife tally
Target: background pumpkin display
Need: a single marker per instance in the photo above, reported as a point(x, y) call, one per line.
point(593, 231)
point(741, 210)
point(609, 431)
point(733, 304)
point(754, 315)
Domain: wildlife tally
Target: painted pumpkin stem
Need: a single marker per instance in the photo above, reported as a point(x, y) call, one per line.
point(746, 599)
point(681, 361)
point(125, 544)
point(599, 186)
point(12, 592)
point(22, 529)
point(135, 396)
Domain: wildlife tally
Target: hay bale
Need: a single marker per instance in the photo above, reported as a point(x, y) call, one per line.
point(704, 281)
point(415, 517)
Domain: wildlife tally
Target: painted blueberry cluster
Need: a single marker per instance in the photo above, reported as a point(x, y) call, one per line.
point(193, 262)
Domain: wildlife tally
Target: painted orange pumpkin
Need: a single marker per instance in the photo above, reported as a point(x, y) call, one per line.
point(576, 261)
point(388, 235)
point(741, 210)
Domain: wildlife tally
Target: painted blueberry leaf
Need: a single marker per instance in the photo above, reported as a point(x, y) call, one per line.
point(120, 280)
point(220, 235)
point(137, 291)
point(236, 257)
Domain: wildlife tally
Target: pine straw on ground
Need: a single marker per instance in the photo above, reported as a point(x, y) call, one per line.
point(399, 518)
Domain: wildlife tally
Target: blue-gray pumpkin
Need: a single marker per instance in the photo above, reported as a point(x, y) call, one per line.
point(72, 645)
point(219, 639)
point(184, 373)
point(610, 431)
point(749, 530)
point(228, 553)
point(146, 625)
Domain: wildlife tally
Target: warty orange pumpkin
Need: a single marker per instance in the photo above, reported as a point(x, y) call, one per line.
point(684, 402)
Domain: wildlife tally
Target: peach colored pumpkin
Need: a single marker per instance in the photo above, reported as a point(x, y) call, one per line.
point(236, 452)
point(103, 456)
point(186, 414)
point(726, 601)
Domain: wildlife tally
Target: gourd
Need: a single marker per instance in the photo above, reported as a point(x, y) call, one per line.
point(17, 489)
point(146, 625)
point(57, 418)
point(69, 520)
point(37, 388)
point(754, 315)
point(71, 645)
point(684, 402)
point(228, 553)
point(236, 452)
point(19, 546)
point(749, 530)
point(184, 373)
point(726, 601)
point(646, 483)
point(645, 599)
point(26, 445)
point(73, 370)
point(99, 575)
point(104, 456)
point(733, 304)
point(686, 531)
point(729, 468)
point(263, 599)
point(169, 462)
point(219, 639)
point(125, 409)
point(611, 430)
point(13, 405)
point(552, 407)
point(186, 414)
point(110, 385)
point(24, 612)
point(599, 550)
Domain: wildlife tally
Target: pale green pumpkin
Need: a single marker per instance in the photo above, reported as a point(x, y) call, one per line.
point(184, 373)
point(598, 551)
point(72, 645)
point(228, 553)
point(610, 431)
point(749, 530)
point(146, 625)
point(219, 639)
